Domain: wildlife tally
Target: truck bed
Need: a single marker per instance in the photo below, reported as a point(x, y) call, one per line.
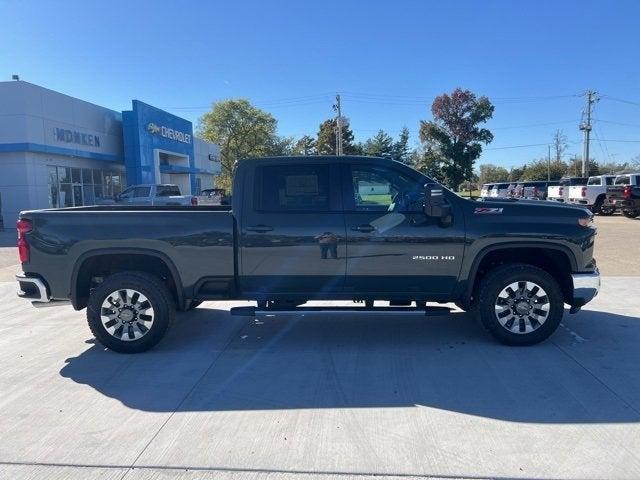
point(195, 241)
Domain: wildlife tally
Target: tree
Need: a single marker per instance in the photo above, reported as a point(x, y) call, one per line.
point(281, 146)
point(380, 145)
point(400, 151)
point(559, 144)
point(241, 130)
point(429, 162)
point(539, 169)
point(455, 133)
point(326, 143)
point(574, 168)
point(490, 173)
point(305, 146)
point(516, 173)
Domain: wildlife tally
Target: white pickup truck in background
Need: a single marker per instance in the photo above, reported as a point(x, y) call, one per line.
point(165, 194)
point(593, 195)
point(560, 193)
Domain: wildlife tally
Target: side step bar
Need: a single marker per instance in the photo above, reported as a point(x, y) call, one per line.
point(255, 311)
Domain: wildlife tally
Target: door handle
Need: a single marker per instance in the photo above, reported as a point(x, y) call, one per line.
point(363, 228)
point(259, 228)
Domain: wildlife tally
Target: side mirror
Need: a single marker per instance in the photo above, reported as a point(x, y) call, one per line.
point(435, 205)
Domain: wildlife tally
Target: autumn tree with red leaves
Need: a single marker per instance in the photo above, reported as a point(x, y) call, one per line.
point(454, 138)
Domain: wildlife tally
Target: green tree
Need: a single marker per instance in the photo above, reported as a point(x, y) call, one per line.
point(281, 146)
point(516, 173)
point(306, 145)
point(539, 169)
point(241, 130)
point(380, 145)
point(430, 163)
point(401, 150)
point(574, 168)
point(326, 142)
point(490, 173)
point(455, 133)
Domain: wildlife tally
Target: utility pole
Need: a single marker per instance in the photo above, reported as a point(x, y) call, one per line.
point(338, 109)
point(585, 126)
point(549, 163)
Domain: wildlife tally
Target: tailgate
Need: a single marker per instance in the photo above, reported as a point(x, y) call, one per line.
point(615, 191)
point(575, 192)
point(555, 191)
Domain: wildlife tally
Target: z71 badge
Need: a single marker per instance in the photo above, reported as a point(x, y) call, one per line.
point(487, 211)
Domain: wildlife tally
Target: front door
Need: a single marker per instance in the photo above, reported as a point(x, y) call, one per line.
point(292, 233)
point(393, 248)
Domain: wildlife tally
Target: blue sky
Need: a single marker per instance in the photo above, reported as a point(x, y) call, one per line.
point(532, 59)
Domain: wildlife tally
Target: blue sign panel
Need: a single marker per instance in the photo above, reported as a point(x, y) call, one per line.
point(147, 130)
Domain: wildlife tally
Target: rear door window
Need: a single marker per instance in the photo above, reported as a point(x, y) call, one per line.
point(294, 188)
point(140, 192)
point(623, 180)
point(168, 191)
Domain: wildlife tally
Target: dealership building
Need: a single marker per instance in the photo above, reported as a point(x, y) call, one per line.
point(60, 151)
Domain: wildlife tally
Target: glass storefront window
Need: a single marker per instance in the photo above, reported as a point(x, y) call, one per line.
point(69, 187)
point(53, 188)
point(64, 175)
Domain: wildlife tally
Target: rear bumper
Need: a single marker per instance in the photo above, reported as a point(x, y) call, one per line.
point(585, 287)
point(34, 289)
point(625, 204)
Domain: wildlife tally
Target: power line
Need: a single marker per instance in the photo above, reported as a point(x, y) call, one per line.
point(621, 100)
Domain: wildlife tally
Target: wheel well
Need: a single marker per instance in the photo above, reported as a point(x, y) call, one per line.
point(94, 269)
point(554, 262)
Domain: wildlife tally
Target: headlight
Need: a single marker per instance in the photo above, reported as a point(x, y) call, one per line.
point(586, 222)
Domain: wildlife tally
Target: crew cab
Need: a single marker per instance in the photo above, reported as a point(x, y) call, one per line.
point(593, 195)
point(625, 194)
point(316, 227)
point(560, 193)
point(150, 194)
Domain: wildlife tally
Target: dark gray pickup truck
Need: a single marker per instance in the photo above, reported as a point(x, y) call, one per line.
point(305, 228)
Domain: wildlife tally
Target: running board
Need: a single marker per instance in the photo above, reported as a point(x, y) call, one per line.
point(255, 311)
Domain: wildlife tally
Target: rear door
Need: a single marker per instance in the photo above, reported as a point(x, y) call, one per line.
point(292, 232)
point(393, 248)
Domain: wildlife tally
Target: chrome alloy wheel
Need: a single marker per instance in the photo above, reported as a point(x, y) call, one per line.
point(522, 307)
point(127, 314)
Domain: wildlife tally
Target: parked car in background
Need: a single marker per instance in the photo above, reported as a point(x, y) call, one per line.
point(499, 190)
point(538, 190)
point(213, 196)
point(486, 189)
point(560, 193)
point(624, 194)
point(162, 194)
point(593, 195)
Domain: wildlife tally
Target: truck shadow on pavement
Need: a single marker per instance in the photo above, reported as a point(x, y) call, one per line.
point(586, 373)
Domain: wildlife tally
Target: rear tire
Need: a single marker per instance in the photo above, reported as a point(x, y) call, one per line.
point(130, 312)
point(520, 304)
point(631, 213)
point(600, 208)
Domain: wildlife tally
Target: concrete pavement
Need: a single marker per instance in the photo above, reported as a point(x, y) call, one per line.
point(321, 397)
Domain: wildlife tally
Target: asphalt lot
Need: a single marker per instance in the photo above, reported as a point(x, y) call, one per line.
point(327, 397)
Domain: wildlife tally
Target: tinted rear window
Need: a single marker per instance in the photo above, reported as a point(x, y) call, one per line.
point(294, 187)
point(623, 180)
point(168, 191)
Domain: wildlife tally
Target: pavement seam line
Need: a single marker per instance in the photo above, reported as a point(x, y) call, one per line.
point(213, 362)
point(601, 382)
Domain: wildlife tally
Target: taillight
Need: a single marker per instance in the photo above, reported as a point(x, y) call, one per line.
point(584, 191)
point(535, 191)
point(194, 201)
point(626, 192)
point(561, 191)
point(23, 226)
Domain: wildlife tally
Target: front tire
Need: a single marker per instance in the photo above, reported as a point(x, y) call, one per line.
point(130, 312)
point(520, 304)
point(631, 213)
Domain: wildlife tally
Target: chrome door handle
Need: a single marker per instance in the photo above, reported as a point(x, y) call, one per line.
point(363, 228)
point(259, 228)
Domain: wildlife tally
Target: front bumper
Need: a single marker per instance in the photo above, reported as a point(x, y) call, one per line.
point(585, 287)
